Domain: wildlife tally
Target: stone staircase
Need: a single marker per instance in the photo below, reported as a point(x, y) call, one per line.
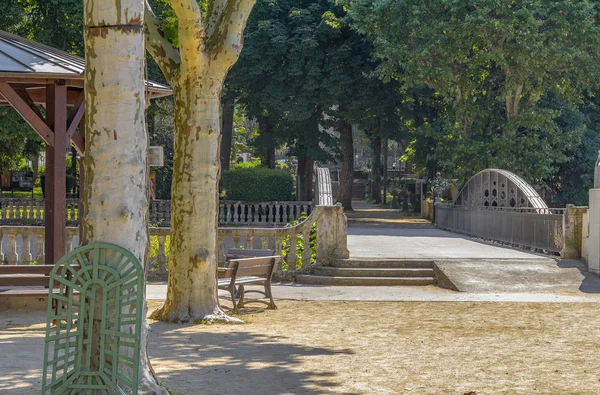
point(366, 271)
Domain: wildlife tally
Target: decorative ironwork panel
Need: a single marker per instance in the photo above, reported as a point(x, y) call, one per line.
point(498, 188)
point(95, 309)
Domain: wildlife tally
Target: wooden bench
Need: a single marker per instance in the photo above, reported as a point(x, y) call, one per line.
point(247, 271)
point(22, 281)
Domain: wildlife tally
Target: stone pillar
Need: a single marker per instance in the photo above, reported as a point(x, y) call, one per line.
point(572, 232)
point(594, 226)
point(332, 232)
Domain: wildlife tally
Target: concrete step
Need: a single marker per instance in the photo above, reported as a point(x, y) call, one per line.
point(380, 281)
point(373, 272)
point(382, 263)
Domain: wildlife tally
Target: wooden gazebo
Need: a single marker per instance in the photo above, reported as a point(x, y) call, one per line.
point(32, 75)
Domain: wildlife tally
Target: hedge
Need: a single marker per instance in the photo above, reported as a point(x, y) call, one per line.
point(258, 184)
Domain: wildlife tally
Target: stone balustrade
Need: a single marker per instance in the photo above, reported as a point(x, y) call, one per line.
point(238, 213)
point(19, 211)
point(24, 244)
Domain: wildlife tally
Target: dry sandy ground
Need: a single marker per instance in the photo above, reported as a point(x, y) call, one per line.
point(357, 348)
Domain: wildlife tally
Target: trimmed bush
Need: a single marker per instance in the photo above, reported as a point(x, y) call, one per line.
point(258, 184)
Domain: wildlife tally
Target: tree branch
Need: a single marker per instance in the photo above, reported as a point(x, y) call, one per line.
point(213, 15)
point(164, 53)
point(191, 32)
point(227, 39)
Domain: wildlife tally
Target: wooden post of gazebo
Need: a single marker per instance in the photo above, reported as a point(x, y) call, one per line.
point(37, 75)
point(56, 172)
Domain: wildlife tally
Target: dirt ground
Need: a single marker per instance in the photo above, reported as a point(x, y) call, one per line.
point(356, 348)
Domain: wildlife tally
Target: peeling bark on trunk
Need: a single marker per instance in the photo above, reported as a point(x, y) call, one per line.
point(376, 169)
point(115, 205)
point(208, 46)
point(347, 169)
point(192, 292)
point(227, 134)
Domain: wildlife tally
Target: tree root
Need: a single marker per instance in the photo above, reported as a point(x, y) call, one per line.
point(184, 317)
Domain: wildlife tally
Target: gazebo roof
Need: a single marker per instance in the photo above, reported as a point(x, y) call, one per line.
point(22, 58)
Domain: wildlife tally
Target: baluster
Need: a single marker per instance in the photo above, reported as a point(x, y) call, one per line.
point(226, 213)
point(73, 218)
point(242, 211)
point(41, 210)
point(161, 258)
point(236, 213)
point(41, 249)
point(13, 257)
point(26, 258)
point(292, 258)
point(264, 243)
point(236, 241)
point(278, 245)
point(221, 213)
point(277, 214)
point(267, 213)
point(250, 242)
point(252, 214)
point(13, 214)
point(68, 243)
point(307, 252)
point(1, 251)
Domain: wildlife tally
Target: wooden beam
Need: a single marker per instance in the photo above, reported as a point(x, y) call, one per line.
point(38, 95)
point(75, 115)
point(79, 143)
point(27, 99)
point(56, 173)
point(27, 113)
point(20, 79)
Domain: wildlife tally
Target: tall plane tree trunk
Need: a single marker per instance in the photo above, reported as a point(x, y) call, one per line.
point(208, 46)
point(347, 169)
point(304, 178)
point(227, 133)
point(115, 202)
point(376, 169)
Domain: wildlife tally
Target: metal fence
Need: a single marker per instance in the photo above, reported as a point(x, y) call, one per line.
point(527, 227)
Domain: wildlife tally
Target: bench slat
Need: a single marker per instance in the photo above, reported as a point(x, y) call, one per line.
point(26, 269)
point(24, 281)
point(261, 271)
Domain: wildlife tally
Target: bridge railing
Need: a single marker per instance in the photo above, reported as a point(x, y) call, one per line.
point(526, 227)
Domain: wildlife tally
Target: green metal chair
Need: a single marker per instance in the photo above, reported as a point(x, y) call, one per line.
point(95, 289)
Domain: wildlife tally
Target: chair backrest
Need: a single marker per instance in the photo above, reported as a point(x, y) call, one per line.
point(95, 344)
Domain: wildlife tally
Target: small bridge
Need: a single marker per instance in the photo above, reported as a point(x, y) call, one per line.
point(499, 205)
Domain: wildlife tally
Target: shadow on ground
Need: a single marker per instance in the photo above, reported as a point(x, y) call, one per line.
point(590, 282)
point(21, 359)
point(236, 362)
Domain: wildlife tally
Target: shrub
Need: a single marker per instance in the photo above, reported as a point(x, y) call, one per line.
point(258, 184)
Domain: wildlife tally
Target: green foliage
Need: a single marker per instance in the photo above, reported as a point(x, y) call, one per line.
point(248, 165)
point(493, 84)
point(154, 246)
point(258, 184)
point(300, 244)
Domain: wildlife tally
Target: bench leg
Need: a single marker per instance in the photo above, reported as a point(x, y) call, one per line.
point(235, 305)
point(240, 293)
point(270, 296)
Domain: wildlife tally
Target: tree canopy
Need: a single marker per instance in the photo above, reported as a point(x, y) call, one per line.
point(507, 77)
